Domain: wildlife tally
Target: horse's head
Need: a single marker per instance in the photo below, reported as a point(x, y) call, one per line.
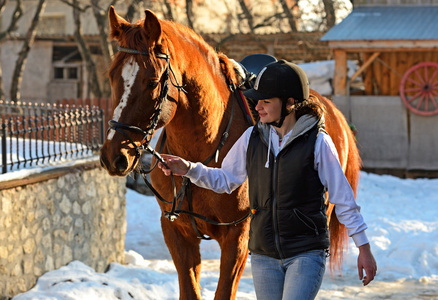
point(142, 93)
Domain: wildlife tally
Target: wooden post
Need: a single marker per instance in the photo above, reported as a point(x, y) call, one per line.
point(340, 76)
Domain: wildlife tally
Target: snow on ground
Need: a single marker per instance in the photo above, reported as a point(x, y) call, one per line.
point(400, 213)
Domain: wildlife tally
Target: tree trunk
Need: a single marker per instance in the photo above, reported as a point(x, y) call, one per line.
point(168, 13)
point(22, 56)
point(330, 16)
point(290, 17)
point(132, 8)
point(247, 15)
point(189, 13)
point(2, 92)
point(107, 50)
point(18, 12)
point(85, 52)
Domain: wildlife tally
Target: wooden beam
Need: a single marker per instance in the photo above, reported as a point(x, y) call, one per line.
point(340, 76)
point(365, 65)
point(385, 45)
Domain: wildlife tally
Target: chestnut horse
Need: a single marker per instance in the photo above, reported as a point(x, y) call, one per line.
point(167, 76)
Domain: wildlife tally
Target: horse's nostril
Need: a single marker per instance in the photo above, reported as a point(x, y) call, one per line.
point(121, 163)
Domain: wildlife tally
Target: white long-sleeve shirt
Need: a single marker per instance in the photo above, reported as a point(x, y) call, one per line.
point(233, 173)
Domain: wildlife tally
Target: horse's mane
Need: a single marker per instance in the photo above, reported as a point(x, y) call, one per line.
point(214, 59)
point(135, 37)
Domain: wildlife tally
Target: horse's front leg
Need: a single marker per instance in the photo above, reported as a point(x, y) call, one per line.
point(186, 256)
point(234, 253)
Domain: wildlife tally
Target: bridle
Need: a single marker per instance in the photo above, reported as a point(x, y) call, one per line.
point(149, 131)
point(145, 146)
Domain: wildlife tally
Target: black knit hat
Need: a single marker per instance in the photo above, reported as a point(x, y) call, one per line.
point(281, 79)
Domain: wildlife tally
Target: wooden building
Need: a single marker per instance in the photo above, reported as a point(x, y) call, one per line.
point(396, 110)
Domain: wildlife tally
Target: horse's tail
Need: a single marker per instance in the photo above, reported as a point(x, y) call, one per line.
point(338, 232)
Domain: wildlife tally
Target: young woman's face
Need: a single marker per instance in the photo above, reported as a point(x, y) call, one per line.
point(269, 110)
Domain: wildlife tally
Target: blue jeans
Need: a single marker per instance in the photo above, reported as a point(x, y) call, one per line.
point(298, 277)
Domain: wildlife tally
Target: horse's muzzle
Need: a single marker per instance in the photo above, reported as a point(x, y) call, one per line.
point(117, 166)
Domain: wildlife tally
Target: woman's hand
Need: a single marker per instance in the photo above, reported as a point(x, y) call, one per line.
point(175, 165)
point(366, 261)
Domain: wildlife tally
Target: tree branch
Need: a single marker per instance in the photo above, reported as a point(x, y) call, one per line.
point(22, 56)
point(76, 5)
point(85, 52)
point(18, 13)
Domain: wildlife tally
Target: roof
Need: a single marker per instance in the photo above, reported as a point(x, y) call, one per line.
point(387, 23)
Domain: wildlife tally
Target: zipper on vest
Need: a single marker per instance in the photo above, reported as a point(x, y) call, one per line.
point(274, 210)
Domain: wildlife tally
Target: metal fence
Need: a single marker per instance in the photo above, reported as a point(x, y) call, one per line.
point(34, 134)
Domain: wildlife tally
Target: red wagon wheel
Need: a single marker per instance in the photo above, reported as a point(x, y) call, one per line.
point(419, 89)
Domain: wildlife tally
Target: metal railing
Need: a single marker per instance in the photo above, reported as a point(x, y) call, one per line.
point(35, 134)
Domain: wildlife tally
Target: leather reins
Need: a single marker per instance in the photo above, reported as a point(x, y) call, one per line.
point(185, 189)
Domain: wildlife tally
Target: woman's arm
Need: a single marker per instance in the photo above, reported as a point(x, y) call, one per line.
point(225, 179)
point(340, 192)
point(346, 208)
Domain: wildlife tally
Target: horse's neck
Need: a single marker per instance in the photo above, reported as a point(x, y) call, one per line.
point(201, 117)
point(198, 124)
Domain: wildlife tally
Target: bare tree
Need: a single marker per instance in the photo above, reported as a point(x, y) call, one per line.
point(270, 20)
point(167, 12)
point(289, 16)
point(247, 14)
point(84, 50)
point(18, 12)
point(330, 16)
point(133, 7)
point(189, 13)
point(22, 55)
point(100, 14)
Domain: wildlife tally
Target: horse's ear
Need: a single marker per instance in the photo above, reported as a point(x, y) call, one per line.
point(117, 23)
point(152, 27)
point(229, 70)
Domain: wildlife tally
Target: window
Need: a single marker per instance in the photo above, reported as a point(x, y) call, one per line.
point(67, 72)
point(59, 73)
point(72, 73)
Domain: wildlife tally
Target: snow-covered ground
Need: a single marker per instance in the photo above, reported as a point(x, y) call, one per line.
point(403, 230)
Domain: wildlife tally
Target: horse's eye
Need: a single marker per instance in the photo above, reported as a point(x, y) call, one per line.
point(153, 84)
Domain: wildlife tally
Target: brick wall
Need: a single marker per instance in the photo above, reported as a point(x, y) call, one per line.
point(297, 47)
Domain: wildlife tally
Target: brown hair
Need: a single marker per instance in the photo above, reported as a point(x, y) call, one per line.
point(310, 106)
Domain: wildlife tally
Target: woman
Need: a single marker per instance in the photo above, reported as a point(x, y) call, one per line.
point(290, 161)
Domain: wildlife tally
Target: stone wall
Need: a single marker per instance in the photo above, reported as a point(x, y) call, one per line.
point(78, 215)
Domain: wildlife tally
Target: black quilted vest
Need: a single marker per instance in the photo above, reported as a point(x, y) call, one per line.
point(286, 199)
